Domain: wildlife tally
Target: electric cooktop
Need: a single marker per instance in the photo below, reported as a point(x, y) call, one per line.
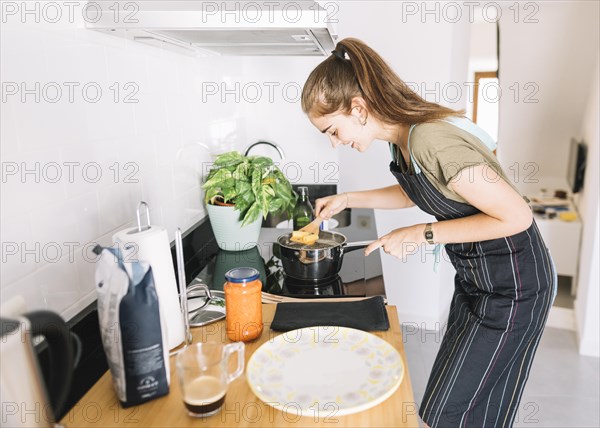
point(359, 276)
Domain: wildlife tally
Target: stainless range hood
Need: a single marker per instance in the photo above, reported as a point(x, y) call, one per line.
point(276, 28)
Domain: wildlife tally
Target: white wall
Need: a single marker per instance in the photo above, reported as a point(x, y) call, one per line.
point(555, 57)
point(159, 136)
point(279, 118)
point(482, 53)
point(482, 50)
point(586, 305)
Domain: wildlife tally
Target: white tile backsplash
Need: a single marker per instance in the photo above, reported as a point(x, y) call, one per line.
point(36, 181)
point(58, 283)
point(87, 216)
point(85, 264)
point(56, 222)
point(82, 172)
point(26, 52)
point(40, 125)
point(150, 112)
point(107, 119)
point(26, 287)
point(153, 150)
point(19, 254)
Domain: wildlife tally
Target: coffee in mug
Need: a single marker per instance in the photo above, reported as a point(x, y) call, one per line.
point(204, 375)
point(204, 395)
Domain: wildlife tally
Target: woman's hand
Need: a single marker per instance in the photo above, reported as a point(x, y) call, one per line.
point(400, 242)
point(330, 205)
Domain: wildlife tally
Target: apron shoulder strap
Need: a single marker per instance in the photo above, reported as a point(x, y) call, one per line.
point(394, 153)
point(412, 158)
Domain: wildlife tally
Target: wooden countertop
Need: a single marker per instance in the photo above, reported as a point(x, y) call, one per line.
point(100, 407)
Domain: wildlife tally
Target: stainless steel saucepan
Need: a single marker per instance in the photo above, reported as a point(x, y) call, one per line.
point(321, 260)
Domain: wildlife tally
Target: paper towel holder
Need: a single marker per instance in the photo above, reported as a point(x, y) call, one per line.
point(138, 214)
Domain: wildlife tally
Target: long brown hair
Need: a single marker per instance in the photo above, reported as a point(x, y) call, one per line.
point(333, 83)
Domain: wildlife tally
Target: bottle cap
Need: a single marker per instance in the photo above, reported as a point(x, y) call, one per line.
point(241, 274)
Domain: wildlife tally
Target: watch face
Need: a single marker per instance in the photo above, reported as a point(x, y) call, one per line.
point(429, 235)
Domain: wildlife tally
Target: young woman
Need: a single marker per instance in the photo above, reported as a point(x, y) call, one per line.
point(505, 280)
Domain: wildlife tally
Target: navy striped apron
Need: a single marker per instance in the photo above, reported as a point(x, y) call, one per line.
point(503, 291)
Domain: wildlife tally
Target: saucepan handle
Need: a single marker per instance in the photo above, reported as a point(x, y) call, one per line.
point(351, 246)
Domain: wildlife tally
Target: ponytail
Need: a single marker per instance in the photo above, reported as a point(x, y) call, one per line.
point(354, 69)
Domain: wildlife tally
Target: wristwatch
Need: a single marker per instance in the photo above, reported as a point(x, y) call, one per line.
point(428, 233)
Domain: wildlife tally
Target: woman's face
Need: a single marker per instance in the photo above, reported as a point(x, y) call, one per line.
point(345, 129)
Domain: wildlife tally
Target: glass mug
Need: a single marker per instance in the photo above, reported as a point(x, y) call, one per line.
point(204, 375)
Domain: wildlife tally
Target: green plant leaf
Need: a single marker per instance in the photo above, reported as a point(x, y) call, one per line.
point(252, 214)
point(261, 162)
point(229, 159)
point(269, 190)
point(265, 204)
point(243, 187)
point(241, 171)
point(256, 182)
point(210, 193)
point(229, 194)
point(275, 205)
point(283, 191)
point(221, 178)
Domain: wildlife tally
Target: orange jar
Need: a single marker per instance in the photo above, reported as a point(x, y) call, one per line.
point(243, 304)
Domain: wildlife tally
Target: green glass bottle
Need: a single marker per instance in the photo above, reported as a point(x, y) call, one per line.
point(303, 211)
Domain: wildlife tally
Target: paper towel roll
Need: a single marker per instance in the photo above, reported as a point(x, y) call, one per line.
point(153, 248)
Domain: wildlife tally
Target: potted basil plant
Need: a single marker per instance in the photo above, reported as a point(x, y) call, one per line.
point(239, 192)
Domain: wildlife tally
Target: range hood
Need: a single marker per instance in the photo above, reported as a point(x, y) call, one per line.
point(204, 28)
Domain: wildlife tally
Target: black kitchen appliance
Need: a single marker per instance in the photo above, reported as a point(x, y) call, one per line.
point(28, 399)
point(576, 165)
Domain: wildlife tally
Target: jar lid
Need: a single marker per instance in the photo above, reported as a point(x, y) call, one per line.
point(242, 274)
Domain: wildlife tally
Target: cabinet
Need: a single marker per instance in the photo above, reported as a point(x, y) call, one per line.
point(563, 238)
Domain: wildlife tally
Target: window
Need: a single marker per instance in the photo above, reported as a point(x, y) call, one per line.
point(486, 100)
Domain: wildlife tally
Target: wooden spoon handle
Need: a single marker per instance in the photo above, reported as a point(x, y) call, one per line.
point(314, 226)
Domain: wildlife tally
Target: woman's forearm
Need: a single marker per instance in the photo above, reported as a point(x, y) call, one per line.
point(391, 197)
point(478, 227)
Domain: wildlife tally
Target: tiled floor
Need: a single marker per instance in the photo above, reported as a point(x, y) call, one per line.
point(563, 388)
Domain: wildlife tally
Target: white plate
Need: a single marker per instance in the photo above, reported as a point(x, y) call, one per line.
point(324, 371)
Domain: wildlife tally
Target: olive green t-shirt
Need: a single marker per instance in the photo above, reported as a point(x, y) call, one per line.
point(442, 150)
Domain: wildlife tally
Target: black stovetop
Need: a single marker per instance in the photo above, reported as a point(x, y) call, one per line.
point(351, 280)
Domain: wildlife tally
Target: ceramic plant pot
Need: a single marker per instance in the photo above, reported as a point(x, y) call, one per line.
point(228, 229)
